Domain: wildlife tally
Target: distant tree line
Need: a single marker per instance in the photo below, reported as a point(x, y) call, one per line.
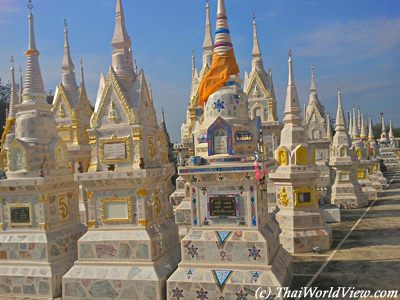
point(5, 89)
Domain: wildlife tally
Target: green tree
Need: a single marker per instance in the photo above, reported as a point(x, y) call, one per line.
point(4, 100)
point(378, 130)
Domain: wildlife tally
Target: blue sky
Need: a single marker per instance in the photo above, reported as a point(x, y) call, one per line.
point(353, 44)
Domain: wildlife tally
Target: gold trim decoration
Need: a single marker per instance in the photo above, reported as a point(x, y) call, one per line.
point(89, 195)
point(63, 209)
point(299, 191)
point(156, 202)
point(113, 115)
point(125, 200)
point(144, 222)
point(141, 192)
point(65, 132)
point(284, 198)
point(359, 153)
point(152, 149)
point(44, 226)
point(20, 205)
point(114, 139)
point(43, 198)
point(32, 52)
point(91, 136)
point(283, 158)
point(361, 174)
point(63, 96)
point(301, 155)
point(91, 224)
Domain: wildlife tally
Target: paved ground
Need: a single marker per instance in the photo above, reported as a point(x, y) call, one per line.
point(366, 248)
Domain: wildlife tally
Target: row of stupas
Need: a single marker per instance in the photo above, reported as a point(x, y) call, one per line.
point(248, 193)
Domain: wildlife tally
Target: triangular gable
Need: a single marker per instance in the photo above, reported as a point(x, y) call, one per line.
point(112, 84)
point(256, 80)
point(62, 99)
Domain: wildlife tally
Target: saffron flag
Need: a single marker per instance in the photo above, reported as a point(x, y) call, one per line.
point(222, 67)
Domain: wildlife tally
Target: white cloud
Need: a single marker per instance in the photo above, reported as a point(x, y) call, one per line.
point(356, 38)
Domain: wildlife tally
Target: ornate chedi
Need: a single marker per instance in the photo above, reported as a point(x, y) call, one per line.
point(346, 190)
point(359, 136)
point(232, 247)
point(300, 218)
point(259, 88)
point(388, 147)
point(39, 217)
point(194, 111)
point(132, 243)
point(9, 130)
point(375, 174)
point(72, 111)
point(317, 128)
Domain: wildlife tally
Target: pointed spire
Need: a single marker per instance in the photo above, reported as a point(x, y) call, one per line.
point(223, 41)
point(355, 133)
point(350, 127)
point(340, 123)
point(391, 135)
point(313, 92)
point(371, 137)
point(162, 114)
point(292, 103)
point(193, 65)
point(33, 88)
point(313, 87)
point(359, 118)
point(208, 44)
point(257, 62)
point(122, 60)
point(68, 68)
point(21, 85)
point(14, 95)
point(363, 131)
point(383, 124)
point(224, 66)
point(329, 133)
point(82, 73)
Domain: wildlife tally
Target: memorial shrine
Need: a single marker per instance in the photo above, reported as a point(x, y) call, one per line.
point(232, 247)
point(317, 128)
point(300, 218)
point(132, 243)
point(346, 190)
point(39, 217)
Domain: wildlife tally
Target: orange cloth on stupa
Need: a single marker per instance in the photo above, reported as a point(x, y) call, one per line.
point(222, 67)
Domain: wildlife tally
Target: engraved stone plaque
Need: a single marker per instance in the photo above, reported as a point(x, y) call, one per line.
point(115, 151)
point(223, 205)
point(20, 215)
point(221, 145)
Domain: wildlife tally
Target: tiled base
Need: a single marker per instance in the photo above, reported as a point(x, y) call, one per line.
point(370, 192)
point(25, 271)
point(191, 281)
point(42, 281)
point(305, 240)
point(134, 281)
point(350, 201)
